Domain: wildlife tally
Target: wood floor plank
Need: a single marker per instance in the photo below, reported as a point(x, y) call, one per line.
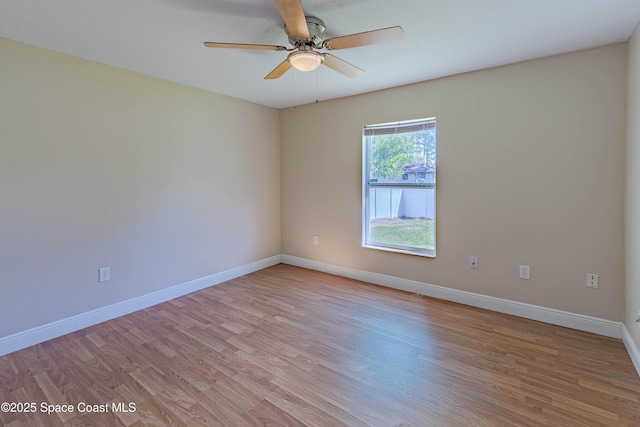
point(269, 414)
point(287, 346)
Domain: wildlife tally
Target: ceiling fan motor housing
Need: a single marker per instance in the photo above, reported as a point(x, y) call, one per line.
point(316, 33)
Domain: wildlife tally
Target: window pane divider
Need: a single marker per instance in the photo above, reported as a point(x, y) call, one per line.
point(392, 185)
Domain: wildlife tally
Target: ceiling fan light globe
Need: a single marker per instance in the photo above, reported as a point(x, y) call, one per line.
point(305, 60)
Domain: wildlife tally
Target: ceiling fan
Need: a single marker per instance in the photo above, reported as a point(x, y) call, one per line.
point(306, 36)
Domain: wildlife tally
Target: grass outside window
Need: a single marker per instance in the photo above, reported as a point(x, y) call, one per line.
point(413, 232)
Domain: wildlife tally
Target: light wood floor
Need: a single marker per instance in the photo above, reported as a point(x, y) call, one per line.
point(288, 346)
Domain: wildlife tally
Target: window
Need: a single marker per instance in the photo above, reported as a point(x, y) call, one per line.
point(399, 186)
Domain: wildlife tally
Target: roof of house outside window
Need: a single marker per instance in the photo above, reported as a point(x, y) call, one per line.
point(418, 168)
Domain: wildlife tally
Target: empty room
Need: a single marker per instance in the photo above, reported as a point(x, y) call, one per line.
point(320, 213)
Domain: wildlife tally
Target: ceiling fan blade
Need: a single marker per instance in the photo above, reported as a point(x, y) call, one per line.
point(293, 17)
point(383, 35)
point(342, 66)
point(244, 46)
point(282, 68)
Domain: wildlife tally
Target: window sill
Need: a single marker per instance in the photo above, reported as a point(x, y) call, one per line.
point(426, 254)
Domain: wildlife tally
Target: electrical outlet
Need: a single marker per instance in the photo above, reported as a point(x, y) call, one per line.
point(473, 262)
point(592, 280)
point(104, 274)
point(525, 272)
point(314, 240)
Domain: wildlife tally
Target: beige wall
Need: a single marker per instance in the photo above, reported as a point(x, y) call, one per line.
point(100, 166)
point(632, 296)
point(530, 171)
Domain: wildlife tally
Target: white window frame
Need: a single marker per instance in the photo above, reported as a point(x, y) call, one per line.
point(382, 129)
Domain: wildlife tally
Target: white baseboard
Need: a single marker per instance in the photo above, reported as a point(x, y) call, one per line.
point(58, 328)
point(20, 340)
point(543, 314)
point(632, 349)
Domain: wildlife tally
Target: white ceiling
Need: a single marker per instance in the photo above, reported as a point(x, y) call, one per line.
point(163, 38)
